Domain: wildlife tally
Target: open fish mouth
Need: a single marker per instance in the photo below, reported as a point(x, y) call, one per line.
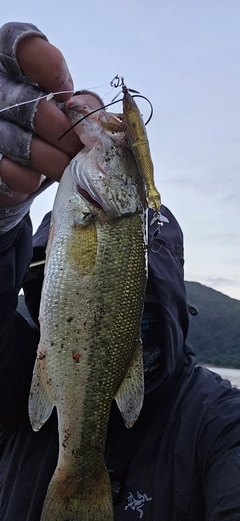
point(89, 190)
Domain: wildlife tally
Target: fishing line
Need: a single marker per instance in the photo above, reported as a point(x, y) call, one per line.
point(51, 95)
point(47, 96)
point(100, 87)
point(104, 107)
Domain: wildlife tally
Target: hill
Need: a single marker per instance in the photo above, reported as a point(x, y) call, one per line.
point(214, 333)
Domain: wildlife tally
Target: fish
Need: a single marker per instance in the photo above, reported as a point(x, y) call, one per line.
point(90, 349)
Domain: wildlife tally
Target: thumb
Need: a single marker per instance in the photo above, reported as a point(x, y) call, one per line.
point(45, 65)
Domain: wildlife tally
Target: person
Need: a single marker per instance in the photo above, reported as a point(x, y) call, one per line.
point(181, 459)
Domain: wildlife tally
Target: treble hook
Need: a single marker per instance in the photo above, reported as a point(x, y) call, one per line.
point(155, 234)
point(118, 81)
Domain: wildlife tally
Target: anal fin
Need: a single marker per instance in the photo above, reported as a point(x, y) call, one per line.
point(129, 396)
point(40, 403)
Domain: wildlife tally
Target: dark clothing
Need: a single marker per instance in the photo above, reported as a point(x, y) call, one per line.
point(182, 456)
point(17, 339)
point(181, 459)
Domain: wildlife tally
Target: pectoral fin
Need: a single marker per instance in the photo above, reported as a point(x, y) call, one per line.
point(129, 396)
point(40, 403)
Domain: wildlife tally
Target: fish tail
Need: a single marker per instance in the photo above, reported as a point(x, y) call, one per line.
point(66, 502)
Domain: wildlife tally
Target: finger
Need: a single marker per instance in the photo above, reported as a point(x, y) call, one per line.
point(18, 101)
point(45, 65)
point(15, 142)
point(20, 180)
point(47, 159)
point(50, 123)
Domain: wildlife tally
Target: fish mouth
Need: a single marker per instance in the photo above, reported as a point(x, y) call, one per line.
point(76, 113)
point(80, 110)
point(87, 197)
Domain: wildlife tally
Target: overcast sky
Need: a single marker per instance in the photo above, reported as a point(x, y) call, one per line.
point(184, 56)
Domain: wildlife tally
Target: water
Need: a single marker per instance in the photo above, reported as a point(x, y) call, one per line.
point(233, 375)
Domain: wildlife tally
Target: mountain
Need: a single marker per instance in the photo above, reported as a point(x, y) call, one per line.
point(214, 333)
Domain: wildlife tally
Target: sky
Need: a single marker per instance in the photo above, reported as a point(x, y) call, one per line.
point(184, 56)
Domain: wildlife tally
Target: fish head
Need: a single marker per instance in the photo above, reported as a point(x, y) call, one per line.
point(105, 170)
point(108, 180)
point(78, 109)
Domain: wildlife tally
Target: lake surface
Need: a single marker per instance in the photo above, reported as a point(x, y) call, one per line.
point(233, 375)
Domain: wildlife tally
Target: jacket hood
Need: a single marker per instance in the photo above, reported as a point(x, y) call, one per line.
point(166, 298)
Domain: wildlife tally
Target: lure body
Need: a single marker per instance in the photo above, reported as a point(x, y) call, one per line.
point(138, 142)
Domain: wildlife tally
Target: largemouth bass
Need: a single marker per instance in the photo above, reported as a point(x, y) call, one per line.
point(90, 350)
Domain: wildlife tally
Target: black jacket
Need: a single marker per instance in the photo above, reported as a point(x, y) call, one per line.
point(181, 459)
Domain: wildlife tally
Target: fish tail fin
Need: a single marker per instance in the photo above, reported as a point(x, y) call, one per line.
point(66, 501)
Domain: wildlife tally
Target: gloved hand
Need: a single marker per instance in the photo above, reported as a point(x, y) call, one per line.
point(29, 148)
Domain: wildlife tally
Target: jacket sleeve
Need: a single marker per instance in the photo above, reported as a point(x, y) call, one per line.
point(18, 340)
point(27, 458)
point(219, 456)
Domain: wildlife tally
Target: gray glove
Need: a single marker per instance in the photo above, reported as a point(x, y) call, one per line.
point(16, 124)
point(29, 153)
